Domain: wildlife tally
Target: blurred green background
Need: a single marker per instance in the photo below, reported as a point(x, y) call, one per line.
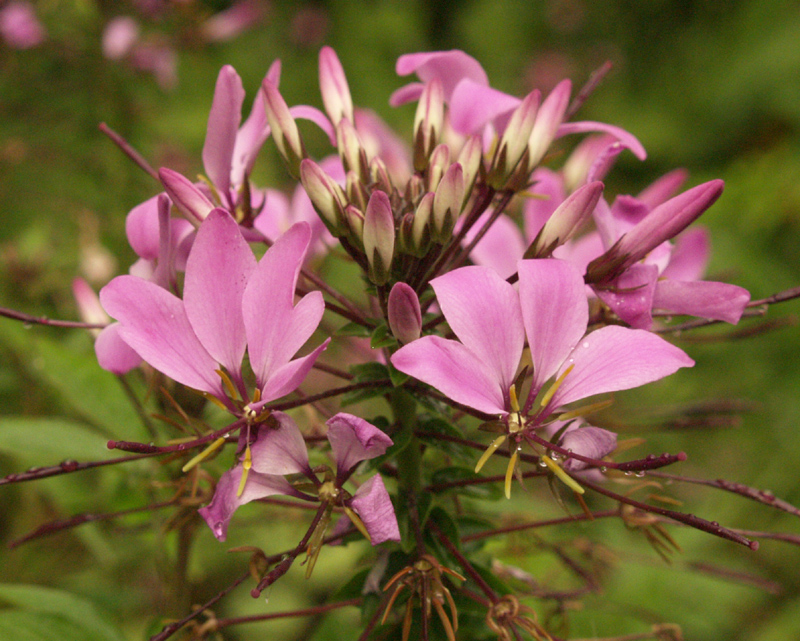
point(710, 86)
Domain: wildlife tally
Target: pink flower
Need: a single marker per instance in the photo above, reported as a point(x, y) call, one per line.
point(231, 303)
point(20, 27)
point(279, 449)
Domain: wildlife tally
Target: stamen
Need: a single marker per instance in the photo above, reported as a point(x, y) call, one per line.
point(215, 400)
point(510, 471)
point(512, 395)
point(489, 451)
point(356, 520)
point(246, 465)
point(204, 454)
point(565, 478)
point(554, 387)
point(585, 410)
point(228, 383)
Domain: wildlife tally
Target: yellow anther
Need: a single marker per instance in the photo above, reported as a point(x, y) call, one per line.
point(489, 451)
point(356, 520)
point(246, 465)
point(565, 478)
point(554, 387)
point(215, 400)
point(510, 471)
point(512, 395)
point(256, 395)
point(204, 454)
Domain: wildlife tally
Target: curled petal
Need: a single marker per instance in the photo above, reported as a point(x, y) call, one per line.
point(218, 513)
point(113, 353)
point(354, 440)
point(589, 441)
point(279, 450)
point(141, 228)
point(473, 106)
point(616, 358)
point(449, 67)
point(706, 299)
point(372, 504)
point(631, 295)
point(628, 140)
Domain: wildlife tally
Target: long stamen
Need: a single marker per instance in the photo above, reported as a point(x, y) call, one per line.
point(554, 387)
point(204, 454)
point(356, 520)
point(510, 471)
point(565, 478)
point(489, 451)
point(512, 396)
point(228, 383)
point(246, 465)
point(585, 410)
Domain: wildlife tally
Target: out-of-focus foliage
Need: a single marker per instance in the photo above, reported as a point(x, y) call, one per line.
point(710, 86)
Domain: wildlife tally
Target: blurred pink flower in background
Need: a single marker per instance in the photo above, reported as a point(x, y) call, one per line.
point(19, 26)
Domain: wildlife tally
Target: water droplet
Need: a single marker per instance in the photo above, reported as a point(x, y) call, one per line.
point(586, 343)
point(651, 457)
point(767, 495)
point(27, 325)
point(33, 470)
point(554, 456)
point(639, 474)
point(628, 473)
point(70, 465)
point(542, 463)
point(604, 469)
point(714, 523)
point(218, 529)
point(571, 360)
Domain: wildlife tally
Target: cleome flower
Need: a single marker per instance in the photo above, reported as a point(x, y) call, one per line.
point(492, 320)
point(277, 449)
point(231, 304)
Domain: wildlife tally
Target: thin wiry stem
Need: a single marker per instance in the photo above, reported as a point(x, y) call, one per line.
point(521, 527)
point(67, 467)
point(28, 319)
point(317, 609)
point(129, 151)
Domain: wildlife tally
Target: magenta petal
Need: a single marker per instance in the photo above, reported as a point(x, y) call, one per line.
point(354, 440)
point(288, 377)
point(217, 272)
point(192, 202)
point(454, 370)
point(617, 358)
point(448, 67)
point(473, 106)
point(690, 255)
point(279, 450)
point(631, 295)
point(141, 228)
point(500, 248)
point(113, 353)
point(589, 441)
point(555, 311)
point(484, 312)
point(317, 117)
point(223, 125)
point(627, 139)
point(663, 189)
point(275, 328)
point(372, 504)
point(218, 513)
point(154, 323)
point(407, 93)
point(706, 299)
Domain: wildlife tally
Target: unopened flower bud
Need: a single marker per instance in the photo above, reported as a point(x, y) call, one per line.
point(379, 237)
point(568, 217)
point(351, 151)
point(89, 307)
point(428, 123)
point(662, 223)
point(439, 162)
point(470, 160)
point(415, 188)
point(379, 175)
point(334, 87)
point(356, 191)
point(514, 141)
point(421, 229)
point(284, 129)
point(447, 203)
point(405, 316)
point(326, 195)
point(355, 224)
point(550, 116)
point(189, 200)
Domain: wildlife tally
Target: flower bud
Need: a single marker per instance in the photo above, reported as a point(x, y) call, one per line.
point(470, 160)
point(568, 217)
point(447, 203)
point(550, 116)
point(189, 200)
point(334, 87)
point(428, 123)
point(514, 141)
point(356, 191)
point(405, 316)
point(355, 223)
point(421, 229)
point(326, 195)
point(379, 175)
point(351, 151)
point(439, 162)
point(284, 129)
point(379, 237)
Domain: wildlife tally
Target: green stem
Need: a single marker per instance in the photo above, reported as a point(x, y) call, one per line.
point(409, 461)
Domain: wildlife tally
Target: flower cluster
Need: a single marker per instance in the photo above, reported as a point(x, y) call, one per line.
point(501, 293)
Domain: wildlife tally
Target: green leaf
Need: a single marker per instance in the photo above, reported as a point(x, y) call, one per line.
point(354, 329)
point(382, 337)
point(397, 377)
point(63, 611)
point(434, 426)
point(366, 372)
point(48, 441)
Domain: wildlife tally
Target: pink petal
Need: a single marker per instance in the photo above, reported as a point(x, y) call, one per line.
point(141, 228)
point(217, 272)
point(555, 311)
point(288, 377)
point(153, 322)
point(354, 440)
point(317, 117)
point(617, 358)
point(548, 190)
point(484, 312)
point(690, 255)
point(334, 87)
point(663, 189)
point(449, 67)
point(406, 93)
point(589, 441)
point(192, 202)
point(706, 299)
point(372, 504)
point(627, 139)
point(218, 513)
point(404, 313)
point(280, 450)
point(500, 248)
point(113, 353)
point(473, 106)
point(631, 295)
point(275, 328)
point(223, 125)
point(454, 370)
